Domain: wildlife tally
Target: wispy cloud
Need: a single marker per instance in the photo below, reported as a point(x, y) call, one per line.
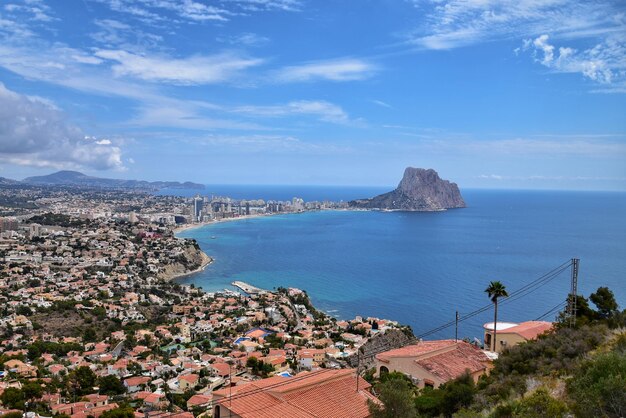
point(537, 177)
point(580, 145)
point(324, 110)
point(184, 71)
point(245, 39)
point(35, 10)
point(343, 69)
point(457, 23)
point(114, 34)
point(185, 115)
point(262, 5)
point(190, 11)
point(381, 103)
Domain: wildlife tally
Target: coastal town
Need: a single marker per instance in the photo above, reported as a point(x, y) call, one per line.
point(94, 324)
point(92, 313)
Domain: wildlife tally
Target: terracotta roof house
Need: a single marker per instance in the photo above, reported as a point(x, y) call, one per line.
point(509, 334)
point(188, 381)
point(155, 401)
point(323, 393)
point(135, 384)
point(220, 369)
point(432, 363)
point(199, 401)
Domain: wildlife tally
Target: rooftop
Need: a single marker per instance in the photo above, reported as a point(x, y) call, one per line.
point(310, 394)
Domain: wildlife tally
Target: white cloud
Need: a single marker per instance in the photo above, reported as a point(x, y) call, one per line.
point(580, 145)
point(326, 111)
point(538, 177)
point(604, 63)
point(31, 10)
point(185, 115)
point(457, 23)
point(34, 133)
point(381, 103)
point(343, 69)
point(114, 34)
point(246, 39)
point(261, 5)
point(176, 11)
point(186, 71)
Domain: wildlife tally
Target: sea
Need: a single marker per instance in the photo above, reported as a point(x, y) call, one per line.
point(421, 268)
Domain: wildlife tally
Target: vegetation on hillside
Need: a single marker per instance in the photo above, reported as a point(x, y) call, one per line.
point(579, 370)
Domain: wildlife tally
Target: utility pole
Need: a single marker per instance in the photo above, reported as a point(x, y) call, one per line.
point(456, 327)
point(573, 295)
point(358, 366)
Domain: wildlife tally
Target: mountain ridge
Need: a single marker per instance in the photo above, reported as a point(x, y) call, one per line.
point(76, 178)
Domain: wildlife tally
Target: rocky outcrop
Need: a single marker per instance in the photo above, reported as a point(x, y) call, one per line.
point(419, 190)
point(191, 261)
point(391, 339)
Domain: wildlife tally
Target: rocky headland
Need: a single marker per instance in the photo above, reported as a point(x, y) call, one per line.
point(420, 190)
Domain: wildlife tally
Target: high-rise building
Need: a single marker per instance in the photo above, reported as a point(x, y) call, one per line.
point(8, 224)
point(197, 208)
point(298, 204)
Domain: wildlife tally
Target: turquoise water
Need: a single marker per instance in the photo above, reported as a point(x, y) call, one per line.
point(419, 268)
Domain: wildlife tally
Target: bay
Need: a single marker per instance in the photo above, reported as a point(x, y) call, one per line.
point(419, 268)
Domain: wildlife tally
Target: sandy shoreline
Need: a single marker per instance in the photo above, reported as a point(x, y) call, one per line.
point(189, 227)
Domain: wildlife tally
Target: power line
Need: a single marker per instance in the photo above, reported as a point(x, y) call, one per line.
point(513, 296)
point(517, 294)
point(555, 309)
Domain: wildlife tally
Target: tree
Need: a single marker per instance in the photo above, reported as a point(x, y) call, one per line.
point(125, 412)
point(496, 290)
point(605, 301)
point(12, 398)
point(458, 393)
point(111, 385)
point(83, 380)
point(397, 398)
point(90, 335)
point(32, 390)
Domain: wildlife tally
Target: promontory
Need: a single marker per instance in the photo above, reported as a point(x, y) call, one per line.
point(419, 190)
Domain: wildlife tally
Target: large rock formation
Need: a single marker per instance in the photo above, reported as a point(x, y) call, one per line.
point(419, 190)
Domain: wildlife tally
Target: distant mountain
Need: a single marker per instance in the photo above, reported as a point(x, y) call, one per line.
point(419, 190)
point(75, 178)
point(7, 182)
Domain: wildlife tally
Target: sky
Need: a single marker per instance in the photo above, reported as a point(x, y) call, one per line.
point(521, 94)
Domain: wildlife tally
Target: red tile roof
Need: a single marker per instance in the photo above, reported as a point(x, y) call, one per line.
point(453, 363)
point(419, 349)
point(529, 329)
point(196, 400)
point(324, 393)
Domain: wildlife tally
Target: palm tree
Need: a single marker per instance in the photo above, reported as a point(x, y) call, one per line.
point(496, 290)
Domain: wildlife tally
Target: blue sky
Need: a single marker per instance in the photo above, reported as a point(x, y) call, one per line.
point(491, 94)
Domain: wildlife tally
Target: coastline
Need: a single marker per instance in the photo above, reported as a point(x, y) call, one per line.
point(188, 227)
point(206, 260)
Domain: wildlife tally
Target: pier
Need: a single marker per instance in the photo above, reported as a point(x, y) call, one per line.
point(248, 288)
